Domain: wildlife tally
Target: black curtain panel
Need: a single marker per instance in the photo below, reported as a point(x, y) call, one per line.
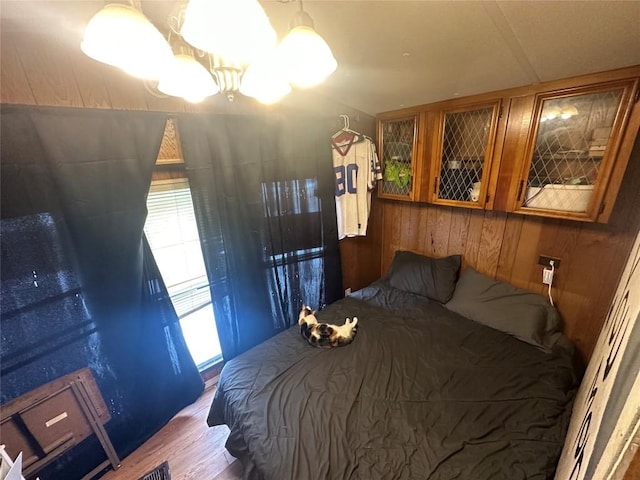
point(80, 287)
point(263, 193)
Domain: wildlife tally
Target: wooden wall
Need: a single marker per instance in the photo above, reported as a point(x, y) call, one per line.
point(507, 246)
point(39, 67)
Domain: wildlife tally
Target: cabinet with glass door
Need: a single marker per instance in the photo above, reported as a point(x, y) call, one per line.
point(398, 149)
point(462, 154)
point(572, 150)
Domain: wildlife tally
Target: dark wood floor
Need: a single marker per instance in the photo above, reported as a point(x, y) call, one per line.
point(193, 450)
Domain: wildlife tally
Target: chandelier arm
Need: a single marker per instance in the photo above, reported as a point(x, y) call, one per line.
point(174, 23)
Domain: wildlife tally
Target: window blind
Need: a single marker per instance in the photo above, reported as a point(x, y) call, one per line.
point(173, 235)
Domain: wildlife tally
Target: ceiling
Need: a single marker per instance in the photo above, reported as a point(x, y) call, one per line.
point(395, 53)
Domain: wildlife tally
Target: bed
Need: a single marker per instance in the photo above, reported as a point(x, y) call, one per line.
point(423, 392)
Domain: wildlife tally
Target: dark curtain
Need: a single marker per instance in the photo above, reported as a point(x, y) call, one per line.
point(80, 286)
point(263, 193)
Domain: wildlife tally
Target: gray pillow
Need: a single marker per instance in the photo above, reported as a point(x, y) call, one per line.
point(434, 278)
point(525, 315)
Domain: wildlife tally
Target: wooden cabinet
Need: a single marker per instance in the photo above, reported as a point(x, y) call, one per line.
point(572, 148)
point(46, 422)
point(557, 149)
point(462, 154)
point(398, 146)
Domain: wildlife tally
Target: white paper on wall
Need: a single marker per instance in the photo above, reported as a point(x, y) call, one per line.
point(626, 429)
point(605, 413)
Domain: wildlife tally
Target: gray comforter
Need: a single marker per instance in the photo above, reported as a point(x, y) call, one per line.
point(421, 393)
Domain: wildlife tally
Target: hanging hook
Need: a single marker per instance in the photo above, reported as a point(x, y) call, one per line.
point(345, 120)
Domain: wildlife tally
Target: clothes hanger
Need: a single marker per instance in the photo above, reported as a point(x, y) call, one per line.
point(345, 137)
point(345, 129)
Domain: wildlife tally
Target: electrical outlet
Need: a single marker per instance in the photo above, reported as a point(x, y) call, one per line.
point(547, 276)
point(546, 261)
point(347, 291)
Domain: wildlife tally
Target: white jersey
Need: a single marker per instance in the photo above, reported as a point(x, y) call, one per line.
point(356, 168)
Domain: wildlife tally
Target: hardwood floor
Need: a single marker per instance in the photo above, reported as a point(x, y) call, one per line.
point(193, 450)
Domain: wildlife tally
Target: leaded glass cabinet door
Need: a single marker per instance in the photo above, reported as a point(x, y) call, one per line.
point(398, 147)
point(465, 149)
point(571, 150)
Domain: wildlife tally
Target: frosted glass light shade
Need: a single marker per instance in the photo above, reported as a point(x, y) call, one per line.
point(308, 57)
point(122, 36)
point(568, 112)
point(236, 30)
point(265, 80)
point(187, 78)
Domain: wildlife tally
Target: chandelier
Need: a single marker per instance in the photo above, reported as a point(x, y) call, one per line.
point(225, 46)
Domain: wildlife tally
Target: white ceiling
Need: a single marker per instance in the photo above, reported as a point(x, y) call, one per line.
point(468, 47)
point(395, 53)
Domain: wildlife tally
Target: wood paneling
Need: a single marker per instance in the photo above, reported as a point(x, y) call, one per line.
point(44, 53)
point(90, 76)
point(170, 148)
point(13, 80)
point(509, 250)
point(41, 66)
point(472, 240)
point(507, 246)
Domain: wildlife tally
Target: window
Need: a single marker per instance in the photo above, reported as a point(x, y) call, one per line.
point(173, 236)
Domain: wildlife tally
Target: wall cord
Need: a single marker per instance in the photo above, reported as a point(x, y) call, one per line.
point(553, 269)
